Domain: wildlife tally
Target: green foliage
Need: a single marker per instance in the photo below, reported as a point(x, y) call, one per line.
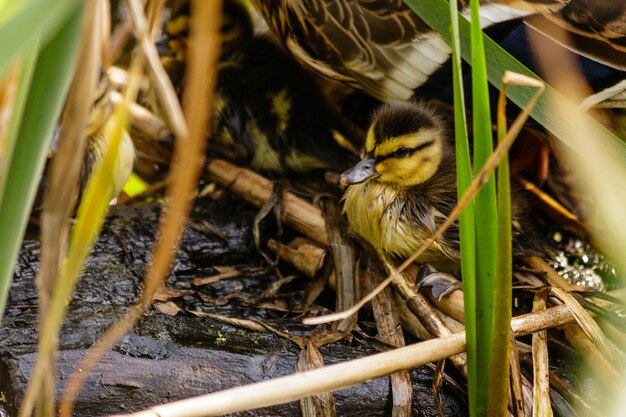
point(503, 284)
point(486, 217)
point(55, 26)
point(466, 218)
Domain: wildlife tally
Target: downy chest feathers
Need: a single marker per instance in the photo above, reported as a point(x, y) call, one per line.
point(397, 222)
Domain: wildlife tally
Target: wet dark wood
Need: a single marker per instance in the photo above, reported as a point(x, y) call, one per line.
point(167, 358)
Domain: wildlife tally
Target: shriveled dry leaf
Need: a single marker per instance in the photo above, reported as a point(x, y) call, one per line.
point(224, 272)
point(247, 324)
point(587, 324)
point(169, 308)
point(167, 294)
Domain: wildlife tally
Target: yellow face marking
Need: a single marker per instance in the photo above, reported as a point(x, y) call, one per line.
point(370, 141)
point(415, 168)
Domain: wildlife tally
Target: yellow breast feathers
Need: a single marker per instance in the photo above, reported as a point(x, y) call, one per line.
point(387, 218)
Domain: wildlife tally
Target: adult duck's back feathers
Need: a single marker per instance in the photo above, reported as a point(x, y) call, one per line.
point(600, 19)
point(380, 47)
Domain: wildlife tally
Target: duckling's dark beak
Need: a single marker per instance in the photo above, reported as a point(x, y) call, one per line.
point(362, 171)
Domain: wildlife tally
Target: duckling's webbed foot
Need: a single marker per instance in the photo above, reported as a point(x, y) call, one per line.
point(274, 204)
point(440, 283)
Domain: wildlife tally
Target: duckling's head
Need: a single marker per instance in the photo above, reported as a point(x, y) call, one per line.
point(406, 144)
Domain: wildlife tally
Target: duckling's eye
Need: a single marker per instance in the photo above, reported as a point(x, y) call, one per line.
point(401, 152)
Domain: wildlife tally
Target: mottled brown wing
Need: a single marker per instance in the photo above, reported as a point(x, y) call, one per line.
point(378, 46)
point(601, 19)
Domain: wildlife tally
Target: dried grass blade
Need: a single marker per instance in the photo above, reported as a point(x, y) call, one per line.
point(390, 332)
point(587, 324)
point(600, 365)
point(322, 405)
point(517, 391)
point(541, 386)
point(164, 88)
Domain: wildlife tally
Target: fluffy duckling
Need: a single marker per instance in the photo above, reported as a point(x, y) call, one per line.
point(267, 112)
point(98, 133)
point(270, 115)
point(405, 186)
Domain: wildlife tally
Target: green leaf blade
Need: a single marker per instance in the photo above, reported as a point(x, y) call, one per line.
point(50, 81)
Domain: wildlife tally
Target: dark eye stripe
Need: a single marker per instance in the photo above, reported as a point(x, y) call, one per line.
point(411, 151)
point(423, 145)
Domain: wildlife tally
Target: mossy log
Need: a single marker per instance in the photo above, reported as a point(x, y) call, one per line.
point(167, 357)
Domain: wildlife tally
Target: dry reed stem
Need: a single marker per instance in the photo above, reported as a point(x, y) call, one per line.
point(517, 390)
point(551, 276)
point(601, 366)
point(155, 11)
point(330, 378)
point(105, 33)
point(163, 86)
point(390, 332)
point(201, 80)
point(541, 380)
point(119, 39)
point(59, 201)
point(588, 325)
point(143, 121)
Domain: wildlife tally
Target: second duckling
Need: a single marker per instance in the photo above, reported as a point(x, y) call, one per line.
point(405, 187)
point(267, 112)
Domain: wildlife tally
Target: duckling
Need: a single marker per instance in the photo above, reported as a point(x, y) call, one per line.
point(267, 112)
point(405, 187)
point(270, 114)
point(98, 133)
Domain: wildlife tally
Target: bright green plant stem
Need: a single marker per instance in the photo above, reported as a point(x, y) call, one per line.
point(466, 218)
point(50, 81)
point(486, 216)
point(503, 286)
